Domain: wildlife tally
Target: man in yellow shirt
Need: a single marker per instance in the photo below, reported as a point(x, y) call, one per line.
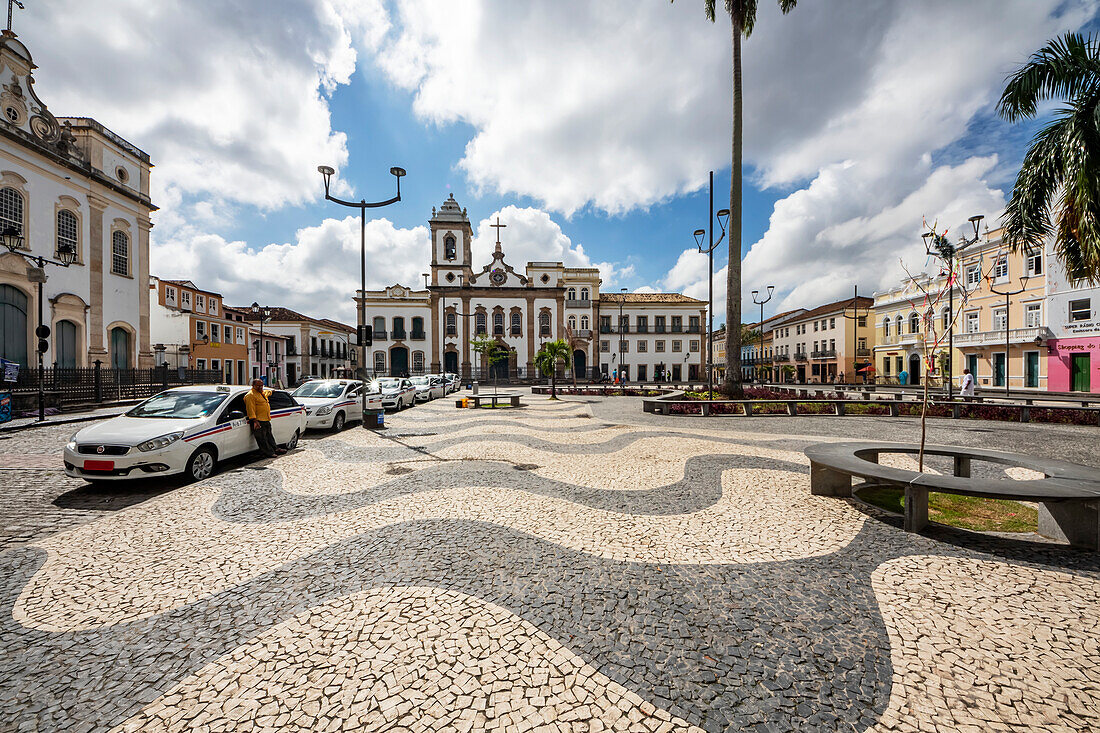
point(258, 410)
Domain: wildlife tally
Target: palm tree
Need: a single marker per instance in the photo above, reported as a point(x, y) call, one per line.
point(742, 18)
point(547, 361)
point(1057, 191)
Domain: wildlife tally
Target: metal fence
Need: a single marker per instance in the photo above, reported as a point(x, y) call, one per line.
point(71, 386)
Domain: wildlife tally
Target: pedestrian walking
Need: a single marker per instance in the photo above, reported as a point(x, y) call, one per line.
point(966, 382)
point(903, 377)
point(258, 410)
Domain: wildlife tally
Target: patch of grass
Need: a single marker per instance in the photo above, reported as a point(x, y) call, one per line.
point(966, 512)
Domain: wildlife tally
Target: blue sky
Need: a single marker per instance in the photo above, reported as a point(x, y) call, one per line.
point(592, 125)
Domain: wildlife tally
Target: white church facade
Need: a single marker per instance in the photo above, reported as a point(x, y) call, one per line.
point(429, 329)
point(70, 184)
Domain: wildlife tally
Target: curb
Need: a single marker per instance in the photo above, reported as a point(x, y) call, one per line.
point(62, 421)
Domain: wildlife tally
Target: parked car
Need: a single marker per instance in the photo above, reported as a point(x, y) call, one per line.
point(397, 392)
point(428, 388)
point(181, 430)
point(452, 381)
point(331, 403)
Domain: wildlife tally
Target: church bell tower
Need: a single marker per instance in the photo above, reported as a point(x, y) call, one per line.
point(451, 235)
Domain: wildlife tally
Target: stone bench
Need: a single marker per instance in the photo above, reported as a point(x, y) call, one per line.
point(1068, 495)
point(492, 400)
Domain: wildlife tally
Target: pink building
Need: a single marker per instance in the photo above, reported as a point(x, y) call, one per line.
point(1073, 349)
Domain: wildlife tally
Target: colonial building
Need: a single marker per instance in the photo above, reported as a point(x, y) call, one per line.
point(830, 343)
point(70, 183)
point(300, 346)
point(912, 322)
point(758, 357)
point(418, 330)
point(1073, 318)
point(190, 328)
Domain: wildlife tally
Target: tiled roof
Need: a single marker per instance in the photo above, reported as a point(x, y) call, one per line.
point(676, 298)
point(279, 313)
point(838, 305)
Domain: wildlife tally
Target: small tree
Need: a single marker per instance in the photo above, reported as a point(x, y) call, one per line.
point(547, 361)
point(492, 351)
point(571, 341)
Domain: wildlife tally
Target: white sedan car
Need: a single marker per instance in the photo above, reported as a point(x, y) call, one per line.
point(397, 392)
point(331, 403)
point(182, 430)
point(428, 388)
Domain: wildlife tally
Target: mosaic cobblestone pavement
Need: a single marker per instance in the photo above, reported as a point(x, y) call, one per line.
point(539, 569)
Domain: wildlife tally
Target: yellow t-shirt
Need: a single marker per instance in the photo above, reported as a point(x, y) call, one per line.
point(256, 405)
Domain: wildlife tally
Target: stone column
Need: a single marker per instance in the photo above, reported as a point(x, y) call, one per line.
point(96, 347)
point(437, 333)
point(532, 334)
point(145, 354)
point(465, 331)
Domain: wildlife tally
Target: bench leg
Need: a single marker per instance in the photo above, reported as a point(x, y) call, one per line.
point(962, 466)
point(748, 409)
point(825, 481)
point(894, 412)
point(916, 508)
point(792, 409)
point(1075, 522)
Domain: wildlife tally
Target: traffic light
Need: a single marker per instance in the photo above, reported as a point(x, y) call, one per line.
point(42, 331)
point(366, 336)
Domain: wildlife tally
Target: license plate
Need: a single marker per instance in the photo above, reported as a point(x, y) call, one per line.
point(99, 465)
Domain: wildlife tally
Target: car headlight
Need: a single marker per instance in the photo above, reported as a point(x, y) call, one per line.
point(324, 410)
point(72, 441)
point(161, 442)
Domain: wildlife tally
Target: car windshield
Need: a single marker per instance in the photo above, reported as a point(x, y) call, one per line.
point(319, 389)
point(420, 381)
point(181, 405)
point(389, 383)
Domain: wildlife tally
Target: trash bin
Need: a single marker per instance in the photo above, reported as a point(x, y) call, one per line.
point(374, 419)
point(473, 388)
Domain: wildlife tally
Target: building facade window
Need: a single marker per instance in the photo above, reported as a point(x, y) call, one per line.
point(185, 299)
point(659, 324)
point(998, 319)
point(571, 294)
point(498, 323)
point(169, 296)
point(11, 210)
point(1000, 269)
point(516, 327)
point(972, 322)
point(380, 361)
point(67, 229)
point(584, 293)
point(213, 309)
point(215, 333)
point(973, 275)
point(605, 346)
point(120, 253)
point(200, 329)
point(677, 346)
point(914, 323)
point(398, 327)
point(418, 327)
point(452, 324)
point(642, 347)
point(1035, 263)
point(659, 346)
point(479, 324)
point(572, 323)
point(418, 362)
point(1080, 310)
point(886, 327)
point(585, 323)
point(694, 345)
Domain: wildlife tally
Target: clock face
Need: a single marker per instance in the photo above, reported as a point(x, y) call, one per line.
point(498, 277)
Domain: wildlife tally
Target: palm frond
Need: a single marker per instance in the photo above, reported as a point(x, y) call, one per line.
point(1027, 217)
point(1064, 68)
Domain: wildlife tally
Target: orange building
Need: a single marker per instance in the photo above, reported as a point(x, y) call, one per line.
point(190, 328)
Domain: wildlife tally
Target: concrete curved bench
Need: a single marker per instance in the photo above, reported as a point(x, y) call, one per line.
point(1069, 494)
point(491, 400)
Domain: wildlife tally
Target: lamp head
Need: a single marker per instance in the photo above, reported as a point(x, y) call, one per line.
point(771, 289)
point(755, 293)
point(723, 218)
point(976, 220)
point(326, 172)
point(397, 172)
point(13, 240)
point(66, 253)
point(699, 234)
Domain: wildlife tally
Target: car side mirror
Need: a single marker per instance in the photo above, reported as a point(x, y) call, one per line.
point(235, 415)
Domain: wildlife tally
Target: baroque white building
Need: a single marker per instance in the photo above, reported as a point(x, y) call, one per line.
point(429, 329)
point(70, 182)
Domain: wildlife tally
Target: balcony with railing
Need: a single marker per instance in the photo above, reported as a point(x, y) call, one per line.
point(693, 329)
point(417, 336)
point(452, 330)
point(863, 352)
point(578, 303)
point(781, 357)
point(997, 338)
point(515, 331)
point(800, 356)
point(583, 333)
point(824, 354)
point(399, 334)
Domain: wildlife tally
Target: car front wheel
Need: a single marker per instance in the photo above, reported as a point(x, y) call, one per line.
point(201, 464)
point(293, 442)
point(338, 422)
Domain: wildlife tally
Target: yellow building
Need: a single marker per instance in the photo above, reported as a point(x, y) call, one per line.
point(912, 324)
point(987, 271)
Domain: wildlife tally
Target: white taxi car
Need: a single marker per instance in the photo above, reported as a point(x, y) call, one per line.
point(182, 430)
point(428, 388)
point(397, 392)
point(331, 403)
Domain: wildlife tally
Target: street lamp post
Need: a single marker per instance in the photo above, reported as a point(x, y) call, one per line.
point(938, 245)
point(261, 354)
point(723, 217)
point(1008, 294)
point(66, 253)
point(771, 291)
point(326, 173)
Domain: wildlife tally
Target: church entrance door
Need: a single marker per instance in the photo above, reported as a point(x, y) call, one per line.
point(399, 361)
point(580, 364)
point(450, 362)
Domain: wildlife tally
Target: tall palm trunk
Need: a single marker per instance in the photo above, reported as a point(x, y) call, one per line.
point(733, 386)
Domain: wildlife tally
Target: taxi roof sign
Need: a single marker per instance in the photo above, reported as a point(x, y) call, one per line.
point(222, 388)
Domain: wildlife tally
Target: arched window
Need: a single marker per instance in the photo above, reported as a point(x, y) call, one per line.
point(479, 323)
point(11, 210)
point(571, 294)
point(945, 319)
point(886, 326)
point(398, 327)
point(515, 329)
point(64, 344)
point(120, 348)
point(450, 250)
point(899, 325)
point(13, 325)
point(573, 323)
point(418, 362)
point(498, 324)
point(584, 323)
point(120, 253)
point(452, 324)
point(380, 362)
point(584, 293)
point(66, 232)
point(544, 324)
point(914, 323)
point(379, 327)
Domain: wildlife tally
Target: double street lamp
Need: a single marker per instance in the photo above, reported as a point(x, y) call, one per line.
point(723, 217)
point(262, 314)
point(771, 291)
point(66, 255)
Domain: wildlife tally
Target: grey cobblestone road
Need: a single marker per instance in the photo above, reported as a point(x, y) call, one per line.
point(570, 566)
